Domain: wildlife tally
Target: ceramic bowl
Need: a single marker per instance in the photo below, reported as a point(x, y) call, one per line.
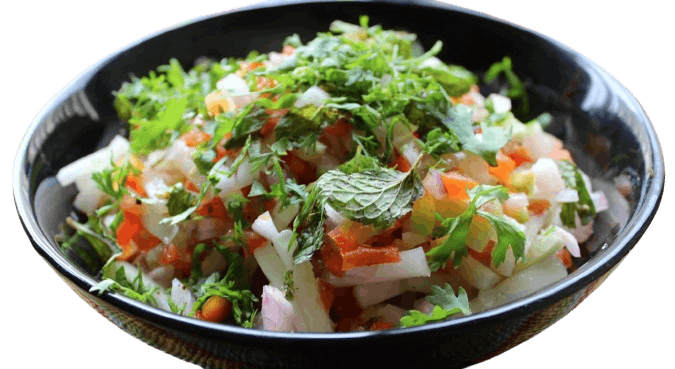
point(599, 120)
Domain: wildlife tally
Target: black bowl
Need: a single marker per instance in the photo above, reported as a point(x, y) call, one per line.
point(599, 120)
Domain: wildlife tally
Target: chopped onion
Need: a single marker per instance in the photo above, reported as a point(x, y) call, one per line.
point(264, 226)
point(410, 152)
point(182, 296)
point(313, 96)
point(477, 274)
point(178, 157)
point(153, 213)
point(517, 200)
point(548, 180)
point(284, 217)
point(521, 284)
point(433, 184)
point(209, 228)
point(88, 199)
point(162, 275)
point(599, 201)
point(281, 243)
point(232, 83)
point(500, 103)
point(307, 300)
point(278, 314)
point(374, 293)
point(94, 162)
point(413, 264)
point(567, 195)
point(540, 143)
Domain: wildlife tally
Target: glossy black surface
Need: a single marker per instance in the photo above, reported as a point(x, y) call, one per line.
point(599, 119)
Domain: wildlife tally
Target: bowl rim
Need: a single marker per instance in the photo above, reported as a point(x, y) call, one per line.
point(650, 198)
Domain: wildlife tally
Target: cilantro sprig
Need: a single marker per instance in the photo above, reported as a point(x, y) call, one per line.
point(446, 304)
point(456, 230)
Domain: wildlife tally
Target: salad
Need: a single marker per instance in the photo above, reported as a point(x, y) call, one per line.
point(353, 182)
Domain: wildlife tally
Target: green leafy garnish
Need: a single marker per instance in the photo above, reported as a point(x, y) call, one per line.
point(446, 305)
point(243, 300)
point(456, 230)
point(584, 208)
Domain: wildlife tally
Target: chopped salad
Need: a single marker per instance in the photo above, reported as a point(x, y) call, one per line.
point(353, 182)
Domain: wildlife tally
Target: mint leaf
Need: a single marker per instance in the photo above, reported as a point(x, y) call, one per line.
point(439, 142)
point(374, 196)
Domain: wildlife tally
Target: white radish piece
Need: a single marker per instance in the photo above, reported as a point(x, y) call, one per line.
point(413, 264)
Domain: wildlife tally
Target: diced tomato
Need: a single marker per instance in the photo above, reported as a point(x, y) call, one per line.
point(366, 255)
point(221, 152)
point(246, 190)
point(520, 154)
point(565, 257)
point(505, 165)
point(400, 162)
point(485, 256)
point(379, 326)
point(129, 205)
point(180, 258)
point(304, 172)
point(341, 128)
point(135, 183)
point(393, 233)
point(288, 50)
point(456, 185)
point(214, 208)
point(254, 241)
point(195, 137)
point(538, 207)
point(190, 186)
point(331, 259)
point(129, 252)
point(346, 236)
point(327, 292)
point(128, 229)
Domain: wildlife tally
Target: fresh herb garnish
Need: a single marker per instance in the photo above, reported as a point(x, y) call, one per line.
point(446, 304)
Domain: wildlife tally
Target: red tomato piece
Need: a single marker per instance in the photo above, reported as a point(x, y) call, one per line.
point(195, 137)
point(366, 255)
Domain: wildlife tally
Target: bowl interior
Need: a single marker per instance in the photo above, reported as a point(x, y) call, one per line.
point(601, 123)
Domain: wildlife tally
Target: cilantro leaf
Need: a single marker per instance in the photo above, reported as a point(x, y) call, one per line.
point(153, 134)
point(516, 88)
point(456, 230)
point(179, 200)
point(509, 233)
point(584, 208)
point(492, 139)
point(446, 305)
point(439, 142)
point(243, 300)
